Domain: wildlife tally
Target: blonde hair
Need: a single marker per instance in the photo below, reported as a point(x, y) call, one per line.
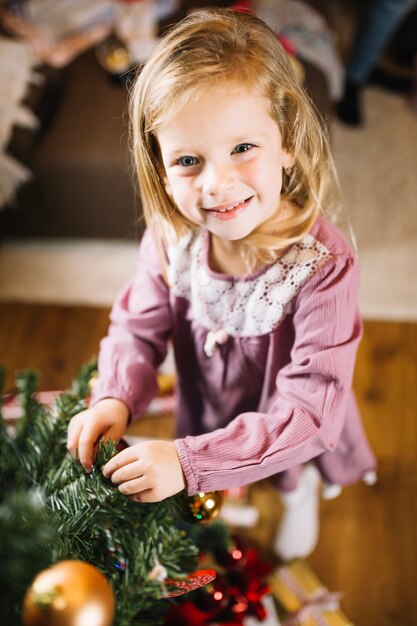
point(219, 47)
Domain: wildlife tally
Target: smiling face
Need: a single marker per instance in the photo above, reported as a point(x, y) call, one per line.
point(223, 161)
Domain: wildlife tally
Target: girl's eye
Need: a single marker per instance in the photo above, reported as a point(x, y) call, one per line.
point(187, 161)
point(242, 147)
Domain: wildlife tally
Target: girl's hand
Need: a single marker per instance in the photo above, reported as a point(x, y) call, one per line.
point(147, 472)
point(107, 419)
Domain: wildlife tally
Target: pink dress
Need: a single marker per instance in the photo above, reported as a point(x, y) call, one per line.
point(264, 361)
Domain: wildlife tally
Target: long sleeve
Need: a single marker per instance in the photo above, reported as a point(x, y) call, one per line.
point(307, 409)
point(136, 342)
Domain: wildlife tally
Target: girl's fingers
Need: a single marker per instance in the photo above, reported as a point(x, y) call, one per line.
point(73, 435)
point(127, 472)
point(129, 455)
point(89, 435)
point(144, 496)
point(135, 486)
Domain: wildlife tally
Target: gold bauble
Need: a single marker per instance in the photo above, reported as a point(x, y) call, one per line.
point(70, 593)
point(113, 56)
point(205, 507)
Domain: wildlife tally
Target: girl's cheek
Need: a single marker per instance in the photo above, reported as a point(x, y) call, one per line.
point(186, 188)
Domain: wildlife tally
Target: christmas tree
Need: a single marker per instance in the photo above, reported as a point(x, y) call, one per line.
point(51, 510)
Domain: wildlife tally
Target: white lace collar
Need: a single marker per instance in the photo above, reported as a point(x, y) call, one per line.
point(241, 306)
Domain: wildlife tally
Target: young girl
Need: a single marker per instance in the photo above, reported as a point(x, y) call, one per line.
point(241, 271)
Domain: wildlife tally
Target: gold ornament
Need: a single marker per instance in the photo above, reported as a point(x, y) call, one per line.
point(70, 593)
point(113, 56)
point(205, 507)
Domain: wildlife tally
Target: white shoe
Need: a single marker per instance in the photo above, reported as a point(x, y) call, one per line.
point(298, 532)
point(330, 491)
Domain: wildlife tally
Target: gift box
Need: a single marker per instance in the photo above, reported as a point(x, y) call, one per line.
point(304, 598)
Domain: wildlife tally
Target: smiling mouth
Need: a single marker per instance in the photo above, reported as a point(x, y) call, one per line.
point(229, 211)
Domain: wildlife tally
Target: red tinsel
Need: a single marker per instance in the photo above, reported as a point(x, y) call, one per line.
point(234, 595)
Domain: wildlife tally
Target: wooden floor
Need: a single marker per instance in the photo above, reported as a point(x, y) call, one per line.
point(368, 543)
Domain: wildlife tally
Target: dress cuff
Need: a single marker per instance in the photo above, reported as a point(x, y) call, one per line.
point(192, 487)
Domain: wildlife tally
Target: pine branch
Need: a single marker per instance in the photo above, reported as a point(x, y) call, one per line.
point(10, 476)
point(25, 530)
point(86, 516)
point(81, 383)
point(212, 537)
point(26, 383)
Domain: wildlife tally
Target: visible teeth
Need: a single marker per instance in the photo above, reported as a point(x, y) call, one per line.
point(230, 208)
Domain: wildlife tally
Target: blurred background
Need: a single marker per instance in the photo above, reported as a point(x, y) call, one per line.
point(70, 221)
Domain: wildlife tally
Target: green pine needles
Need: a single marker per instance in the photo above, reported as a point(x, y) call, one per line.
point(50, 510)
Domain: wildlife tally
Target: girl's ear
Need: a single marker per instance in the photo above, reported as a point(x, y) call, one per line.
point(287, 160)
point(167, 186)
point(164, 179)
point(162, 173)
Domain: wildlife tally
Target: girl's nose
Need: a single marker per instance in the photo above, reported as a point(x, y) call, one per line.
point(216, 178)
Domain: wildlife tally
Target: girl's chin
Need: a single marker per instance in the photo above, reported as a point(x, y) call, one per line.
point(236, 234)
